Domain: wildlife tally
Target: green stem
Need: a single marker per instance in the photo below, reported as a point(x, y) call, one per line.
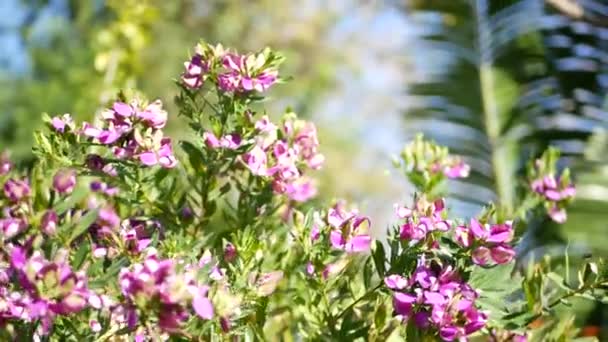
point(499, 149)
point(367, 294)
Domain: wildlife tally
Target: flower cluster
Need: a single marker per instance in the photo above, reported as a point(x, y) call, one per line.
point(436, 299)
point(556, 191)
point(281, 154)
point(421, 220)
point(47, 289)
point(488, 242)
point(284, 159)
point(132, 130)
point(232, 72)
point(428, 159)
point(156, 289)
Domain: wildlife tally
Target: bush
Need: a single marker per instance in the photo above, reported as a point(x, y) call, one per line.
point(113, 234)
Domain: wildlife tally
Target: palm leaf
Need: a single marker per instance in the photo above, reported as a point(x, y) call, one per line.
point(504, 80)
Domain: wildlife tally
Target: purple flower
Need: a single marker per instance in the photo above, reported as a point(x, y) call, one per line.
point(555, 192)
point(557, 214)
point(403, 303)
point(49, 222)
point(196, 70)
point(64, 181)
point(352, 234)
point(16, 190)
point(256, 161)
point(154, 115)
point(11, 227)
point(164, 156)
point(395, 282)
point(5, 163)
point(488, 241)
point(202, 305)
point(156, 287)
point(502, 254)
point(211, 140)
point(59, 123)
point(456, 169)
point(229, 252)
point(241, 77)
point(437, 300)
point(301, 190)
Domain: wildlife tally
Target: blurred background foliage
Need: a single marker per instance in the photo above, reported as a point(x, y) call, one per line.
point(495, 80)
point(73, 56)
point(509, 79)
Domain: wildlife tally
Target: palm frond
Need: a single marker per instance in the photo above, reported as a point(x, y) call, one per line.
point(505, 79)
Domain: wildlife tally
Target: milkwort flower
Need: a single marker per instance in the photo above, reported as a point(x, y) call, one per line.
point(245, 73)
point(197, 68)
point(421, 220)
point(435, 299)
point(16, 190)
point(487, 242)
point(64, 181)
point(349, 230)
point(555, 190)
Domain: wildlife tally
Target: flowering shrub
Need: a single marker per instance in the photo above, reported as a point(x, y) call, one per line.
point(116, 231)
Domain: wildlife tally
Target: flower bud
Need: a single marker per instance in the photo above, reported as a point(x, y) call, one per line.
point(5, 163)
point(16, 190)
point(229, 252)
point(64, 181)
point(49, 222)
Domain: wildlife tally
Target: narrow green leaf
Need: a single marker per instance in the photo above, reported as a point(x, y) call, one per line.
point(85, 222)
point(379, 258)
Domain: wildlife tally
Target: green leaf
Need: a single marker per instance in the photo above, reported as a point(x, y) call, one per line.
point(83, 224)
point(379, 257)
point(77, 196)
point(81, 255)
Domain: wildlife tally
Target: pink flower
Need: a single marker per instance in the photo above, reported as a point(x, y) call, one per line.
point(211, 140)
point(196, 69)
point(301, 190)
point(395, 282)
point(256, 161)
point(502, 254)
point(555, 192)
point(49, 222)
point(10, 227)
point(457, 169)
point(481, 255)
point(230, 141)
point(410, 231)
point(202, 305)
point(60, 123)
point(5, 163)
point(16, 190)
point(437, 300)
point(163, 157)
point(352, 234)
point(64, 181)
point(154, 115)
point(557, 214)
